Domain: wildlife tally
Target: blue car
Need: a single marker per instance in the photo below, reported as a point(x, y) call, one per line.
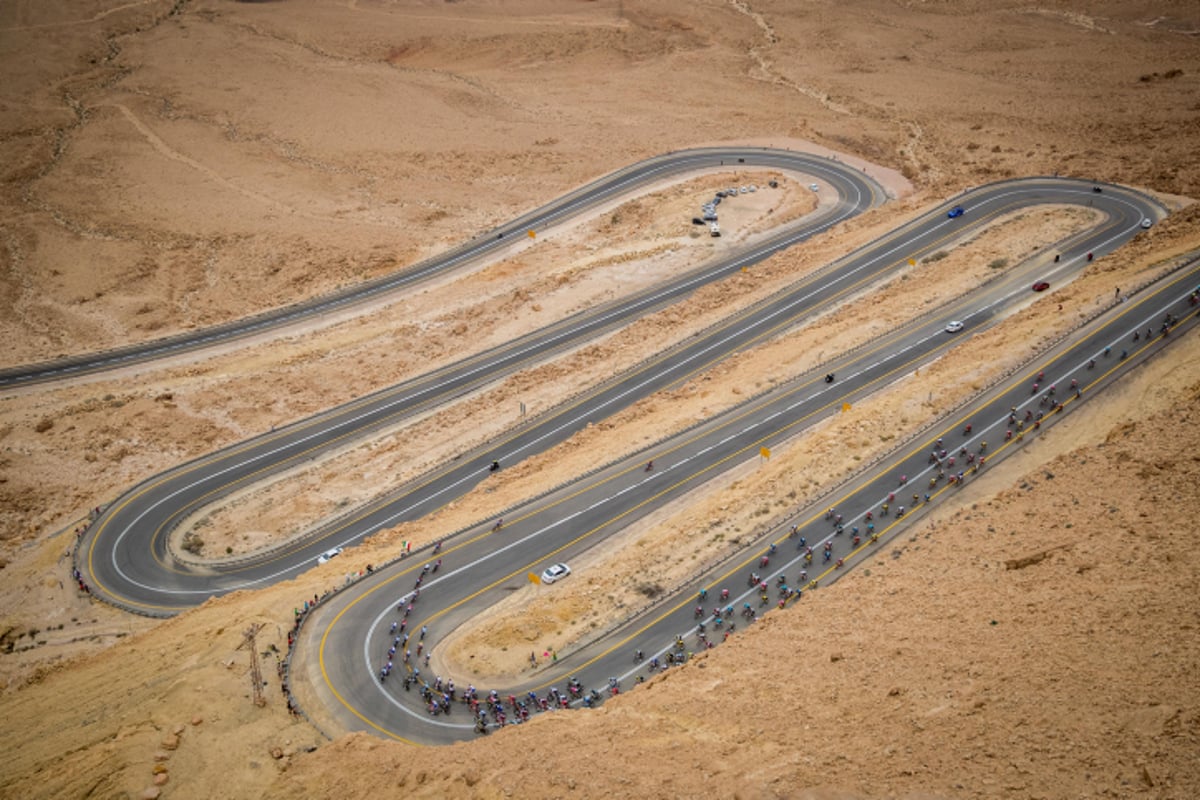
point(957, 211)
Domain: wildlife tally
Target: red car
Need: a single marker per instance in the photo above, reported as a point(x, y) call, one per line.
point(1041, 286)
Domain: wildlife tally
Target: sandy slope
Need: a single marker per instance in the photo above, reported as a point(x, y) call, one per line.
point(167, 165)
point(1033, 643)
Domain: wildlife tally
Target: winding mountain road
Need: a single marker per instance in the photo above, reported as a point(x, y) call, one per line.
point(856, 193)
point(344, 643)
point(126, 558)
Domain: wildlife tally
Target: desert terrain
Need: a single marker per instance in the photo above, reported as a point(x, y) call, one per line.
point(170, 164)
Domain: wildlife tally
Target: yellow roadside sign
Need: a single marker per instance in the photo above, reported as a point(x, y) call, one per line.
point(912, 263)
point(533, 578)
point(845, 407)
point(765, 452)
point(532, 235)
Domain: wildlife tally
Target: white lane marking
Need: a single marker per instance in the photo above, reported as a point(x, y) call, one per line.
point(387, 406)
point(768, 578)
point(374, 410)
point(592, 194)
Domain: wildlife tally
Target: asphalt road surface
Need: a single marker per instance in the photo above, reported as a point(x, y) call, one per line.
point(125, 555)
point(344, 643)
point(126, 560)
point(855, 191)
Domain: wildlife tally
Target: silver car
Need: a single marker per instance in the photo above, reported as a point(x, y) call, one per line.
point(555, 572)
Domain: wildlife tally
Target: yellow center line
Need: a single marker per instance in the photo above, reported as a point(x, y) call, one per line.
point(753, 446)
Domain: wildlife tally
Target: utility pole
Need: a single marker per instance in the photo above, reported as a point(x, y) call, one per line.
point(248, 643)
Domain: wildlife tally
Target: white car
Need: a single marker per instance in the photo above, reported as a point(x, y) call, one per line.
point(753, 188)
point(328, 554)
point(555, 572)
point(1146, 223)
point(954, 327)
point(814, 187)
